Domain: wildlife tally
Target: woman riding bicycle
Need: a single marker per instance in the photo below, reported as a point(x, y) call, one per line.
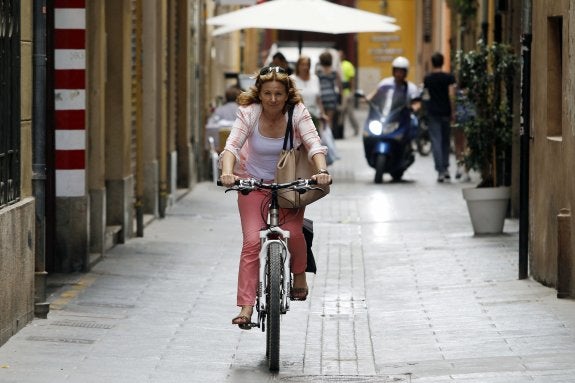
point(252, 151)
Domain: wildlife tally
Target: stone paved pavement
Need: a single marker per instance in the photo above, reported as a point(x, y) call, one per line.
point(404, 293)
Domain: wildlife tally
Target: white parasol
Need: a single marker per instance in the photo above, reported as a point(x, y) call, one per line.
point(303, 15)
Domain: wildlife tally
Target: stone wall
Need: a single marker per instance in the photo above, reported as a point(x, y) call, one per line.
point(17, 267)
point(552, 152)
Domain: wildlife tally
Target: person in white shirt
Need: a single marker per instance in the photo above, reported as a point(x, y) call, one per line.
point(227, 112)
point(309, 87)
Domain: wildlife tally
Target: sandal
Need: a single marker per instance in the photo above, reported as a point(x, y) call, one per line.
point(299, 293)
point(243, 321)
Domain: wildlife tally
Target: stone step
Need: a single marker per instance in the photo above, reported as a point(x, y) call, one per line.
point(112, 236)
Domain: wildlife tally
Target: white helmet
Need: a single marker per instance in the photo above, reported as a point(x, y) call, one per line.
point(400, 62)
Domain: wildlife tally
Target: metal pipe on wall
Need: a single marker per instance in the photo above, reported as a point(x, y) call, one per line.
point(41, 307)
point(162, 78)
point(139, 204)
point(525, 140)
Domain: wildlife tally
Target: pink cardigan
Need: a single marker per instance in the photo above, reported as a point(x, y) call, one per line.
point(246, 121)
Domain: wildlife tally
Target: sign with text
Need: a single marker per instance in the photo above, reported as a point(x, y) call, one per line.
point(376, 51)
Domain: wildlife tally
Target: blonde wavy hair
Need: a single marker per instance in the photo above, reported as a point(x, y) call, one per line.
point(266, 74)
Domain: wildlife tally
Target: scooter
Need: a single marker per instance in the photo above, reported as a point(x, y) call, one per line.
point(388, 146)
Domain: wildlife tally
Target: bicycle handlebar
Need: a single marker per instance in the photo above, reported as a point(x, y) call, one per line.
point(252, 183)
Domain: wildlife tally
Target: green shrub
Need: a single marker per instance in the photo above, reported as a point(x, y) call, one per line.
point(487, 73)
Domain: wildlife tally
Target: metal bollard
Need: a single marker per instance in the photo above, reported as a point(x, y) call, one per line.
point(564, 262)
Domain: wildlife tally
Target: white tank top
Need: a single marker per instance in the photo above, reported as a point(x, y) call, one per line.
point(264, 155)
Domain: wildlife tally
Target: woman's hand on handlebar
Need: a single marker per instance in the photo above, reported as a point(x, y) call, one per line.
point(323, 178)
point(228, 179)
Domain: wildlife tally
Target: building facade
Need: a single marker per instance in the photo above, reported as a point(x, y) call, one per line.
point(99, 136)
point(127, 120)
point(552, 144)
point(17, 210)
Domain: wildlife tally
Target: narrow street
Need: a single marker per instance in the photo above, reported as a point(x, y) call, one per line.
point(404, 293)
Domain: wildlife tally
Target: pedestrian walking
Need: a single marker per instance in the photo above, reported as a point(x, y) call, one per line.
point(330, 90)
point(347, 95)
point(307, 84)
point(439, 88)
point(330, 84)
point(252, 151)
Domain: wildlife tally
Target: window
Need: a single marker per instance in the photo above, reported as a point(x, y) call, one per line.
point(10, 105)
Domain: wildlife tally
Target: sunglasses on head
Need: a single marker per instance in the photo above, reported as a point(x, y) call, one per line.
point(270, 69)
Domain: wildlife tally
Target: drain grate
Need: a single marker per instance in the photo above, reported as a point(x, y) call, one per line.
point(83, 324)
point(347, 379)
point(60, 340)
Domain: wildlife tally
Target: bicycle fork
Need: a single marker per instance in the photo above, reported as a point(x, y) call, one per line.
point(286, 258)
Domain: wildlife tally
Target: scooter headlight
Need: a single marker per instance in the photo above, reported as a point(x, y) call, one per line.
point(375, 127)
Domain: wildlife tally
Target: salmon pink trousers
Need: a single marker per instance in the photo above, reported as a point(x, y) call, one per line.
point(253, 214)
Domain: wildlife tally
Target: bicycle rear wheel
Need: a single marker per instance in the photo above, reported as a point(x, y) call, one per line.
point(274, 287)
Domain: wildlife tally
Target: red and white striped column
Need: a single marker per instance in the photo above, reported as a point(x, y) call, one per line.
point(70, 96)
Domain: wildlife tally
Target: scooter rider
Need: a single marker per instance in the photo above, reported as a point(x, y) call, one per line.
point(395, 95)
point(391, 127)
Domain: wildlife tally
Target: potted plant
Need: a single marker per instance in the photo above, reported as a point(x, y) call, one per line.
point(487, 74)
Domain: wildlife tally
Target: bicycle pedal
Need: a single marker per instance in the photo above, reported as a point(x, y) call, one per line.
point(247, 326)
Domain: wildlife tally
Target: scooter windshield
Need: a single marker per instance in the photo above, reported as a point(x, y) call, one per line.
point(391, 102)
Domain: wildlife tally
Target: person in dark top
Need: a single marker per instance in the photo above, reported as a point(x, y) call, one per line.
point(329, 84)
point(329, 89)
point(439, 97)
point(278, 59)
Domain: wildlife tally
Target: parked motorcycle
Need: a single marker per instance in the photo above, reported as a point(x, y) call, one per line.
point(388, 146)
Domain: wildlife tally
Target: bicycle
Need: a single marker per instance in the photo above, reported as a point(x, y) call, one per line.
point(272, 298)
point(422, 140)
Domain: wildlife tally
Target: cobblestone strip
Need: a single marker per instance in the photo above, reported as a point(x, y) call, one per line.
point(338, 340)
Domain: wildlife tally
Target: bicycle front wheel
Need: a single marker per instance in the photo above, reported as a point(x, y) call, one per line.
point(274, 287)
